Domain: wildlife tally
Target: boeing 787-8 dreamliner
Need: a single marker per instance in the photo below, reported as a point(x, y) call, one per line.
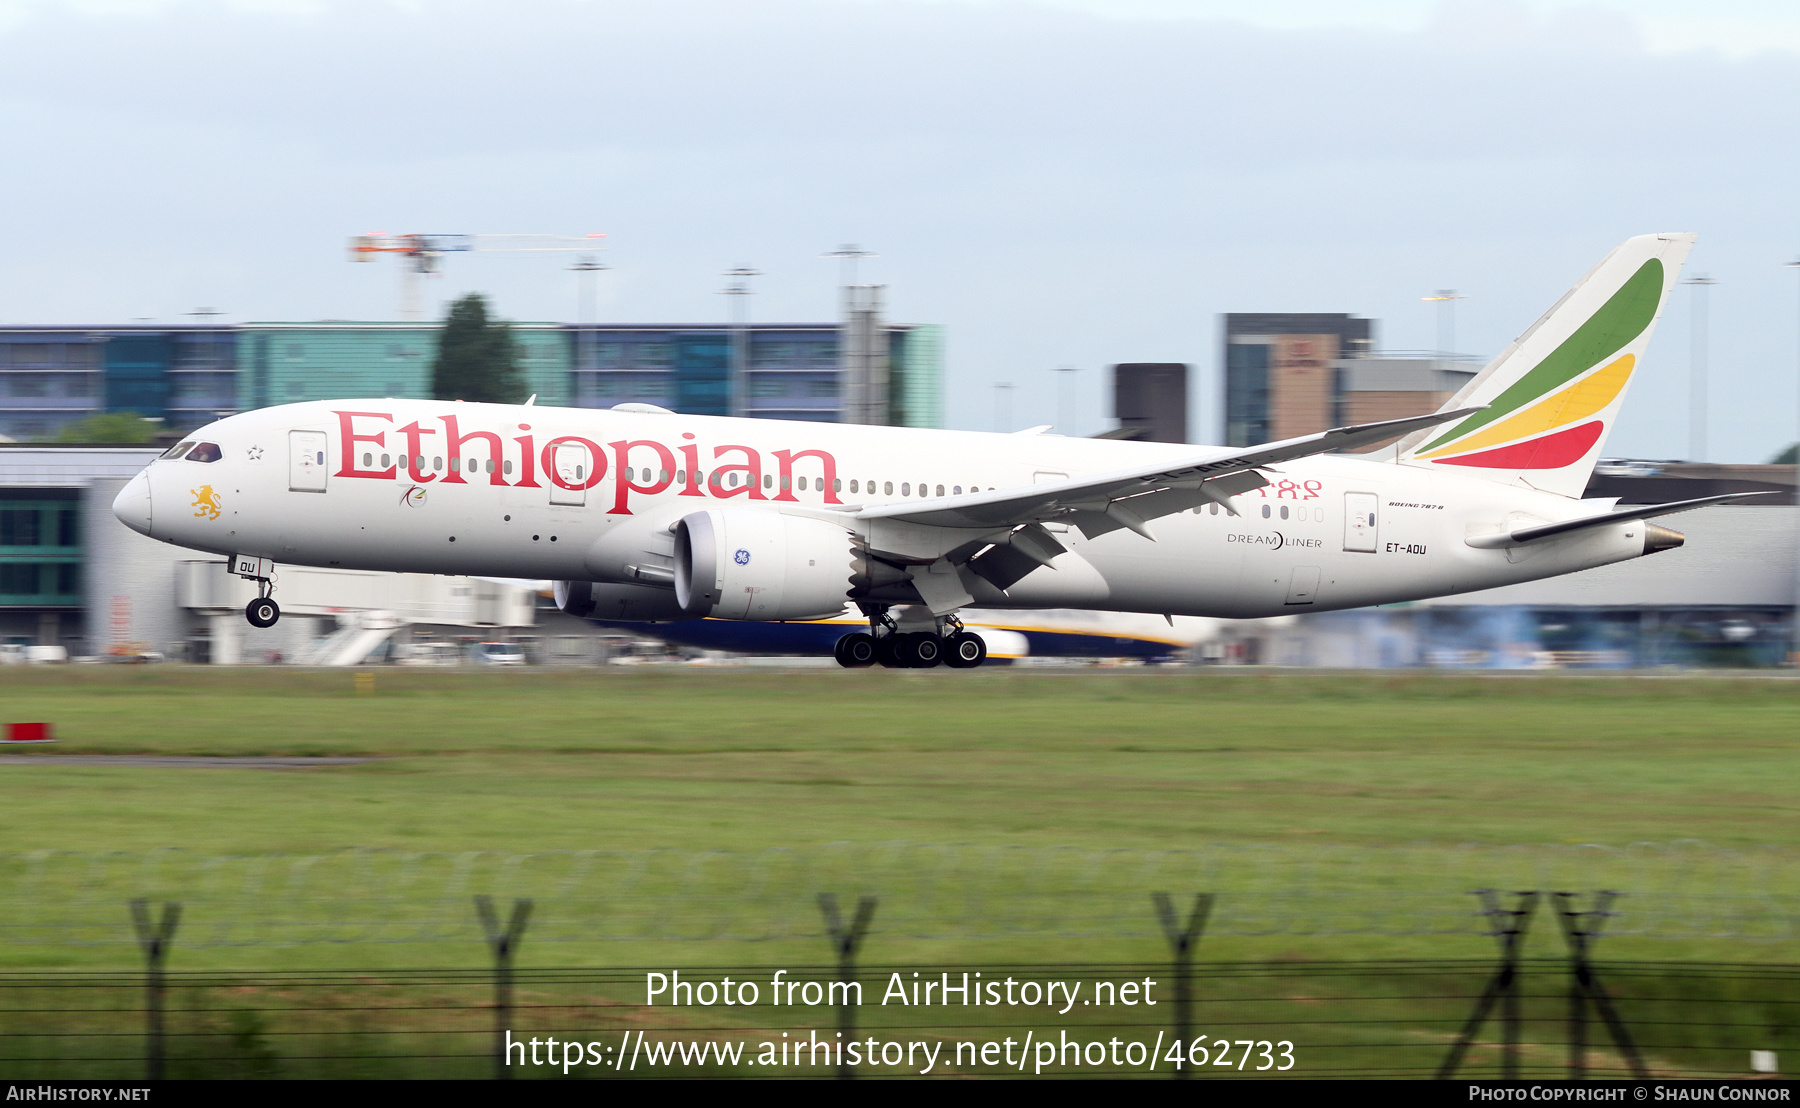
point(644, 514)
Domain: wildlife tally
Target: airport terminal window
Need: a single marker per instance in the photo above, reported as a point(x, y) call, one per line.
point(19, 580)
point(178, 450)
point(19, 526)
point(68, 579)
point(205, 452)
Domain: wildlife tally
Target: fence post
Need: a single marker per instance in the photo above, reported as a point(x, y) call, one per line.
point(1510, 926)
point(845, 941)
point(504, 943)
point(154, 938)
point(1581, 929)
point(1182, 940)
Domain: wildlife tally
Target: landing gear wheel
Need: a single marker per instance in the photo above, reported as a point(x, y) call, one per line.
point(964, 651)
point(262, 612)
point(887, 651)
point(855, 651)
point(920, 650)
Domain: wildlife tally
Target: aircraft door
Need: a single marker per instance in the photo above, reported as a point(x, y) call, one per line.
point(306, 461)
point(572, 467)
point(1359, 521)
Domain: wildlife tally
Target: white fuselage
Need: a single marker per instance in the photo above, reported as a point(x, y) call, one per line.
point(578, 494)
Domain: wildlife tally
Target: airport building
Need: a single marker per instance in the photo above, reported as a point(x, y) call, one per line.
point(865, 370)
point(1294, 373)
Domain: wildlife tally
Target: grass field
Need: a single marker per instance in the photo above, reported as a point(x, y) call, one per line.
point(748, 759)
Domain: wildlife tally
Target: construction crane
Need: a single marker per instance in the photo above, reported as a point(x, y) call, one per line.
point(421, 255)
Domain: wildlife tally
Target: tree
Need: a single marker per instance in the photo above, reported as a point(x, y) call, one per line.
point(1786, 457)
point(111, 427)
point(477, 360)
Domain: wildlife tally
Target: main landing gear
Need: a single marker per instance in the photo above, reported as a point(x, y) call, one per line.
point(947, 644)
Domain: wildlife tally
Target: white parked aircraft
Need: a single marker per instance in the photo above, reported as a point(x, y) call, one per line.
point(640, 513)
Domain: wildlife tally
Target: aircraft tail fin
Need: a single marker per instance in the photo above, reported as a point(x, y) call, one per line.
point(1553, 395)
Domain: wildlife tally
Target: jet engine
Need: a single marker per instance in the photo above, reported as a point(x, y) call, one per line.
point(760, 566)
point(630, 603)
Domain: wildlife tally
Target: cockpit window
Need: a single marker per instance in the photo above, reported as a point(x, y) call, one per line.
point(205, 452)
point(178, 450)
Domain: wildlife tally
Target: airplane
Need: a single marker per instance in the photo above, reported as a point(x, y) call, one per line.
point(1047, 633)
point(639, 513)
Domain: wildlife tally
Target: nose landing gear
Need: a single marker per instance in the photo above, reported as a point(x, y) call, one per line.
point(261, 612)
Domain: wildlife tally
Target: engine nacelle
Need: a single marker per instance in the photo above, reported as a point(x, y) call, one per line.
point(630, 603)
point(760, 566)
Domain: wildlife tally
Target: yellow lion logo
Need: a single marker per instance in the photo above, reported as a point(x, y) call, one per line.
point(206, 501)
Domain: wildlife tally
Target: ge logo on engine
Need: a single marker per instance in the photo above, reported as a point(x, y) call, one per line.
point(742, 557)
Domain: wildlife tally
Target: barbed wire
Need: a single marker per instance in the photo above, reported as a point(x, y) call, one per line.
point(1682, 890)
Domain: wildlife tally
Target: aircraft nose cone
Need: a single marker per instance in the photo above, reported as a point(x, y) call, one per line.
point(132, 505)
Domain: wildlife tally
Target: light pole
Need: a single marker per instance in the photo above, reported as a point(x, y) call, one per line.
point(587, 311)
point(1064, 373)
point(1697, 369)
point(1446, 300)
point(739, 290)
point(861, 397)
point(1795, 266)
point(847, 255)
point(1002, 406)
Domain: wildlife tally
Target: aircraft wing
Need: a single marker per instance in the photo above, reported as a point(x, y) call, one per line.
point(1128, 498)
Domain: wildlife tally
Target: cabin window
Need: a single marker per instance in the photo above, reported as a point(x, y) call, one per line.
point(906, 488)
point(437, 463)
point(368, 461)
point(205, 452)
point(1213, 508)
point(506, 468)
point(490, 465)
point(802, 484)
point(1284, 511)
point(1265, 511)
point(456, 463)
point(837, 484)
point(785, 482)
point(887, 488)
point(853, 484)
point(662, 476)
point(474, 466)
point(385, 461)
point(957, 490)
point(940, 490)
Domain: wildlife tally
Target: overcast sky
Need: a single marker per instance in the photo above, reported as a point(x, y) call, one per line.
point(1059, 182)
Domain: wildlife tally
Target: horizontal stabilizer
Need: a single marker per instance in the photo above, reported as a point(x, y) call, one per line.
point(1550, 530)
